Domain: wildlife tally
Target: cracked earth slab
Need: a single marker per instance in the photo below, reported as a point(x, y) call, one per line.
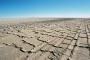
point(58, 40)
point(11, 53)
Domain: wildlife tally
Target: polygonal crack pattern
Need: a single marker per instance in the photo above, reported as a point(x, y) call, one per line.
point(62, 40)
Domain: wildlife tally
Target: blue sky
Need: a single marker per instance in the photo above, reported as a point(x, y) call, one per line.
point(44, 8)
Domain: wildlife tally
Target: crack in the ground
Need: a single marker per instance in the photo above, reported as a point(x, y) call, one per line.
point(48, 43)
point(87, 38)
point(28, 43)
point(19, 48)
point(72, 51)
point(52, 52)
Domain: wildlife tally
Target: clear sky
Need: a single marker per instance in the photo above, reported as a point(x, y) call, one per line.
point(46, 8)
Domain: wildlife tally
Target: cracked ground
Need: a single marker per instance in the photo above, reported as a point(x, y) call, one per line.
point(58, 40)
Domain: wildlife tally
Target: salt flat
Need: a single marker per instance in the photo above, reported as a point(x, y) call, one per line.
point(55, 39)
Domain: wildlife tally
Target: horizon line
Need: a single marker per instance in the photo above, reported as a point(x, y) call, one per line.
point(46, 17)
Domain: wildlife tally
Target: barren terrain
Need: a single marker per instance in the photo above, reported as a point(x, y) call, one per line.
point(65, 39)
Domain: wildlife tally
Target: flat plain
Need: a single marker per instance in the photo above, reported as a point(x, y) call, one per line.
point(60, 39)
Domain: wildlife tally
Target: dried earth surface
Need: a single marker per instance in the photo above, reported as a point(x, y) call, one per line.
point(46, 40)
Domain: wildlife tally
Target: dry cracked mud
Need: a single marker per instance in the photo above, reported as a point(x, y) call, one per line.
point(58, 40)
